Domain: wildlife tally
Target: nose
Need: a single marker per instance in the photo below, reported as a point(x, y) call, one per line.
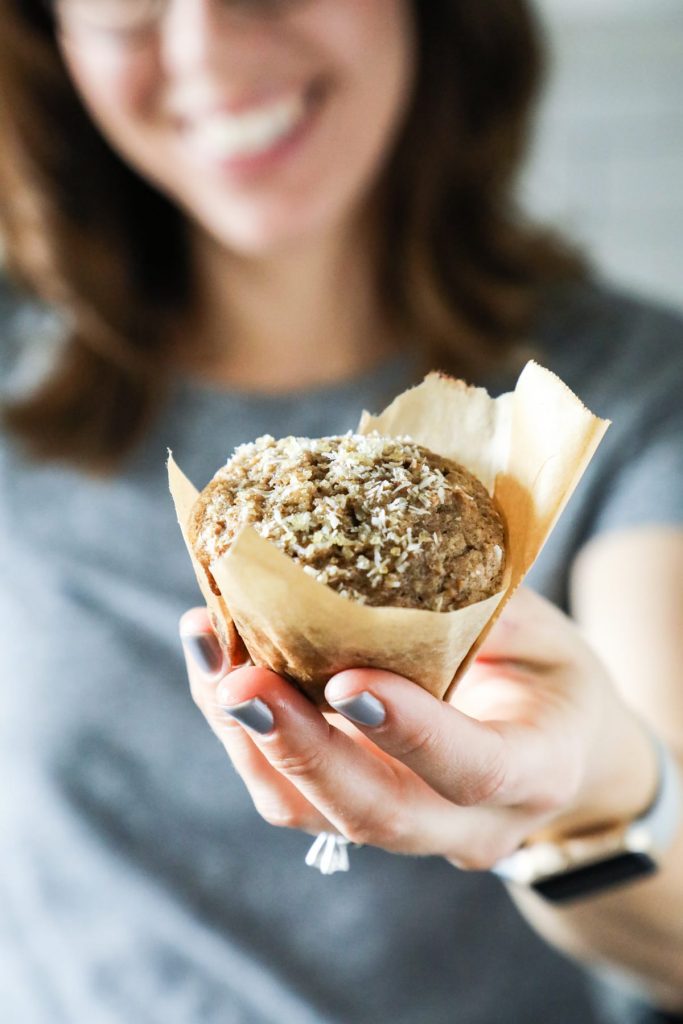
point(197, 35)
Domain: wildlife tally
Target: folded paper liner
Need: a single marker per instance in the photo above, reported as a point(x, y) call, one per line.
point(529, 448)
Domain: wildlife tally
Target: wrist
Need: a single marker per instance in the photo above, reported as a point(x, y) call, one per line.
point(620, 781)
point(578, 865)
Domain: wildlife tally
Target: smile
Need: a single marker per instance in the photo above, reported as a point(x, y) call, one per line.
point(226, 135)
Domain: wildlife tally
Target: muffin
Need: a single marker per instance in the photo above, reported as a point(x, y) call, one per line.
point(380, 520)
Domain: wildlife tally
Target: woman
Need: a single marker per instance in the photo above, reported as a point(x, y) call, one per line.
point(239, 218)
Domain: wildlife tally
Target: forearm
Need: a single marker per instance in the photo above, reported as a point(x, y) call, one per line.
point(637, 928)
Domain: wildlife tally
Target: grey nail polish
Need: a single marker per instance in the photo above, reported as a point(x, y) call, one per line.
point(364, 709)
point(205, 652)
point(254, 714)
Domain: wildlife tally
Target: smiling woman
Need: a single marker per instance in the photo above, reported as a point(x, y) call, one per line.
point(252, 220)
point(266, 122)
point(103, 218)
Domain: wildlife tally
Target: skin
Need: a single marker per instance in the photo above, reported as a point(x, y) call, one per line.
point(545, 737)
point(277, 253)
point(548, 732)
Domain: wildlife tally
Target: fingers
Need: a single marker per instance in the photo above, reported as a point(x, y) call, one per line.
point(204, 655)
point(469, 762)
point(200, 641)
point(428, 779)
point(367, 799)
point(275, 798)
point(326, 767)
point(458, 757)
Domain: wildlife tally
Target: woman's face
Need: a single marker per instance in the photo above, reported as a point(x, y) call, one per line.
point(266, 121)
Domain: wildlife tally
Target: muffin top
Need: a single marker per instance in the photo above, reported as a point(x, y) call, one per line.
point(381, 520)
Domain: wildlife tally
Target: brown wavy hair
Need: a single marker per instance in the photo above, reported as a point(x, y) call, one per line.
point(460, 268)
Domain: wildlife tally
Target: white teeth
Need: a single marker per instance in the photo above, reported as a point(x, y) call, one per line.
point(241, 135)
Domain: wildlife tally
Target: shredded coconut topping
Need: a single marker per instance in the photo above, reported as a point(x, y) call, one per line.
point(379, 519)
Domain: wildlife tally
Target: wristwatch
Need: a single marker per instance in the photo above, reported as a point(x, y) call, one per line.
point(579, 866)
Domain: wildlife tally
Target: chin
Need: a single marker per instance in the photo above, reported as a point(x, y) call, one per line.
point(264, 234)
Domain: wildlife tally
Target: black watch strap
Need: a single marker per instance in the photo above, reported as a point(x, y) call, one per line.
point(583, 865)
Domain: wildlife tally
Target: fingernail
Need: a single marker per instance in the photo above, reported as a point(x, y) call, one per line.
point(205, 652)
point(255, 714)
point(363, 708)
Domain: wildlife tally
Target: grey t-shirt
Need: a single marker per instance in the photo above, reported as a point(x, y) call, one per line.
point(138, 885)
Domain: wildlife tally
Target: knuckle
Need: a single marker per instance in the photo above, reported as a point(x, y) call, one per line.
point(359, 832)
point(420, 738)
point(391, 832)
point(302, 764)
point(484, 785)
point(277, 815)
point(387, 832)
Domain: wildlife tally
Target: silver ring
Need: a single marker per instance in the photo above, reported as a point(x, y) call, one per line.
point(329, 853)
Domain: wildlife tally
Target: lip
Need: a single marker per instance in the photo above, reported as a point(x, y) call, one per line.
point(240, 168)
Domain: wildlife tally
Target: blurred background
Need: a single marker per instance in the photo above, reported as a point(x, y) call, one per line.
point(607, 163)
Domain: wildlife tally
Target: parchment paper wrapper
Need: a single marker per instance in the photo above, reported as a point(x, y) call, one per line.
point(529, 448)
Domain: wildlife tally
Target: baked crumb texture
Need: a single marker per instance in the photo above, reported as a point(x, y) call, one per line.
point(382, 521)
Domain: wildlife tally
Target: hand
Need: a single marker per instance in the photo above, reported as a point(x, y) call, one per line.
point(535, 740)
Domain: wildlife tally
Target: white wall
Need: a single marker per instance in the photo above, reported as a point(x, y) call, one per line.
point(606, 9)
point(608, 159)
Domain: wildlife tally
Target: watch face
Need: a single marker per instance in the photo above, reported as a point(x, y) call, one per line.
point(590, 878)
